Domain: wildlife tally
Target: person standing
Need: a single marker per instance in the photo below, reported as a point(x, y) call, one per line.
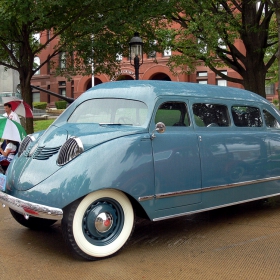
point(10, 114)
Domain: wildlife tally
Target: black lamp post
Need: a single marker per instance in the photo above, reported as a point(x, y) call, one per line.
point(136, 53)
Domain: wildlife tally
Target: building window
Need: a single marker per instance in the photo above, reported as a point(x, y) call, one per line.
point(35, 96)
point(152, 53)
point(222, 72)
point(119, 57)
point(36, 64)
point(49, 97)
point(202, 77)
point(48, 67)
point(72, 92)
point(48, 35)
point(270, 89)
point(62, 88)
point(167, 52)
point(221, 43)
point(221, 81)
point(62, 91)
point(202, 74)
point(62, 60)
point(36, 37)
point(62, 84)
point(202, 47)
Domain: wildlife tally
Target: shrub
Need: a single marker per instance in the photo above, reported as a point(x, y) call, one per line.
point(275, 101)
point(61, 104)
point(40, 105)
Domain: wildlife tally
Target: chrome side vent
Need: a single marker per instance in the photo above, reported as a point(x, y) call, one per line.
point(69, 150)
point(24, 144)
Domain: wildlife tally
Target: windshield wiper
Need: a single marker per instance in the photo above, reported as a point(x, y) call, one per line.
point(101, 124)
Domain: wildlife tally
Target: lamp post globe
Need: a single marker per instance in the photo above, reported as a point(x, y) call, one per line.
point(136, 53)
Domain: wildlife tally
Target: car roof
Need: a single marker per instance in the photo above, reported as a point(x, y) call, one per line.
point(146, 90)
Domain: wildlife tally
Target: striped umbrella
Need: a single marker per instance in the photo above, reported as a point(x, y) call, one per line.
point(19, 106)
point(11, 130)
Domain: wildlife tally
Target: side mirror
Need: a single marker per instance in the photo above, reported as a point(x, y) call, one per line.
point(160, 128)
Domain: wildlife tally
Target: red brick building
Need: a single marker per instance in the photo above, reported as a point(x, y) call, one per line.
point(149, 70)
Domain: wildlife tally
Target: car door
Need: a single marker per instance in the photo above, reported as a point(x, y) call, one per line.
point(175, 155)
point(232, 151)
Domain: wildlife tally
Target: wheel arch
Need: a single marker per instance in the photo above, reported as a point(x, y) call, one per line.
point(137, 207)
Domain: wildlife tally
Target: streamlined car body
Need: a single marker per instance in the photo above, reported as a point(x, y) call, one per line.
point(154, 149)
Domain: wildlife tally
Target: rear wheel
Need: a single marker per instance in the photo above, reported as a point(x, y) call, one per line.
point(98, 225)
point(32, 222)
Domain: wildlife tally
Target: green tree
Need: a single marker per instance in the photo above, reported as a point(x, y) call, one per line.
point(81, 26)
point(208, 32)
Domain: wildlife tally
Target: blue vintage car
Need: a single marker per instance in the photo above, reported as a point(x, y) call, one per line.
point(152, 149)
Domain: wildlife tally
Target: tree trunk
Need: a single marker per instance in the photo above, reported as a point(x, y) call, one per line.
point(255, 81)
point(26, 93)
point(277, 12)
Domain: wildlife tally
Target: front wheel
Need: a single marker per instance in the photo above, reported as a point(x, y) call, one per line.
point(98, 225)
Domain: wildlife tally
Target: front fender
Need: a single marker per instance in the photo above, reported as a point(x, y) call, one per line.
point(124, 163)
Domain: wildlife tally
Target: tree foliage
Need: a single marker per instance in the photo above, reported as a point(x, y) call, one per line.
point(89, 31)
point(209, 31)
point(95, 31)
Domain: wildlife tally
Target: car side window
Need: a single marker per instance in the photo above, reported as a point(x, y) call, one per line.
point(173, 113)
point(270, 120)
point(211, 115)
point(246, 116)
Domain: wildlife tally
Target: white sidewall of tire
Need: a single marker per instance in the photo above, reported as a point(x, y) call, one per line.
point(107, 250)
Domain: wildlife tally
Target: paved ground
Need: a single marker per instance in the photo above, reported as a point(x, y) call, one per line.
point(240, 242)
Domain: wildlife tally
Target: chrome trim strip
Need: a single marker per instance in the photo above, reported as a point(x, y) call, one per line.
point(208, 189)
point(148, 197)
point(212, 208)
point(29, 208)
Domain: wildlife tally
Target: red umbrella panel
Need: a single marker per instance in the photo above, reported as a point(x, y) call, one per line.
point(19, 106)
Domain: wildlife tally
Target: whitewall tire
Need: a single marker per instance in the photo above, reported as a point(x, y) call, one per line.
point(98, 225)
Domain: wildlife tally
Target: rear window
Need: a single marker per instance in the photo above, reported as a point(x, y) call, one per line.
point(246, 116)
point(270, 120)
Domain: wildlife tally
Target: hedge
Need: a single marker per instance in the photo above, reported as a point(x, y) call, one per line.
point(40, 105)
point(60, 104)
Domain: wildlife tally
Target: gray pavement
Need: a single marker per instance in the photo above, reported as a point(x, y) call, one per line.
point(238, 242)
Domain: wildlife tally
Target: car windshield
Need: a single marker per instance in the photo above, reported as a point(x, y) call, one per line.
point(110, 111)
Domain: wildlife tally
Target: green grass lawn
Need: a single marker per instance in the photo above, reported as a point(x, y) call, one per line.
point(42, 124)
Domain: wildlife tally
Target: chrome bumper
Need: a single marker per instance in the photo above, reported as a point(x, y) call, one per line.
point(27, 208)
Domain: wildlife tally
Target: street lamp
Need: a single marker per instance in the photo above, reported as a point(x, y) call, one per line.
point(136, 53)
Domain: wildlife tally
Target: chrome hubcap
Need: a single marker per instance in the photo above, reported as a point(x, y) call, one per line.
point(103, 222)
